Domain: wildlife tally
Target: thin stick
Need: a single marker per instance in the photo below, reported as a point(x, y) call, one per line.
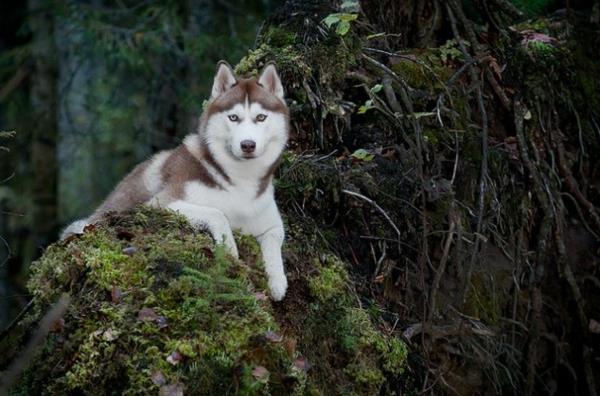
point(25, 357)
point(442, 267)
point(379, 208)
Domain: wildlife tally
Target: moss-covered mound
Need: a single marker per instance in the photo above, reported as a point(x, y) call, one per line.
point(157, 307)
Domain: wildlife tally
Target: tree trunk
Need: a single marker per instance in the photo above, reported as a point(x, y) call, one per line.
point(44, 133)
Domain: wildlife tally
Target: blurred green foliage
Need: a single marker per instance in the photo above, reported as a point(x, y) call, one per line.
point(535, 7)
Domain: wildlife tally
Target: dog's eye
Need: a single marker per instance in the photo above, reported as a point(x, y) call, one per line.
point(233, 117)
point(261, 117)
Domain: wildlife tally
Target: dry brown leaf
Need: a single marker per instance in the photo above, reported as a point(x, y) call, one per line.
point(301, 364)
point(260, 373)
point(175, 358)
point(158, 378)
point(171, 390)
point(147, 315)
point(273, 337)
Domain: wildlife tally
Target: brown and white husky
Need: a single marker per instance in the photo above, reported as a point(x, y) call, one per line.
point(221, 177)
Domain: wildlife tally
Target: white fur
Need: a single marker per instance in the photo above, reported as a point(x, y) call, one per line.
point(224, 79)
point(238, 201)
point(75, 227)
point(270, 80)
point(152, 177)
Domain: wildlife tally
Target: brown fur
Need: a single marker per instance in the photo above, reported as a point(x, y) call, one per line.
point(180, 167)
point(267, 178)
point(208, 156)
point(246, 88)
point(128, 193)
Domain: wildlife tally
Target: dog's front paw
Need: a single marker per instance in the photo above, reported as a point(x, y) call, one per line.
point(278, 286)
point(231, 247)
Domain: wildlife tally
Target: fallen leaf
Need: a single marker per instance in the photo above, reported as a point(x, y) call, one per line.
point(208, 252)
point(147, 315)
point(261, 296)
point(158, 378)
point(116, 294)
point(260, 373)
point(379, 279)
point(273, 337)
point(129, 250)
point(171, 390)
point(162, 322)
point(530, 35)
point(175, 358)
point(362, 155)
point(290, 345)
point(57, 326)
point(301, 364)
point(110, 335)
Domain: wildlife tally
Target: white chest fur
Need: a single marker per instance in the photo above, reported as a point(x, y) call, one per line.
point(239, 202)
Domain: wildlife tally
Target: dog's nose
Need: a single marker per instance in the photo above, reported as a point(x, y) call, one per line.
point(248, 146)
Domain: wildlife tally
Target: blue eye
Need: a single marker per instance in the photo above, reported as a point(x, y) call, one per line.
point(233, 117)
point(261, 117)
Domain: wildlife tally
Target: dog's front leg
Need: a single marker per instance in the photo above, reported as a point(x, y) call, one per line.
point(213, 219)
point(270, 244)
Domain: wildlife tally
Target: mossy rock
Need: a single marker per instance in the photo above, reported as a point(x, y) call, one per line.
point(155, 304)
point(156, 307)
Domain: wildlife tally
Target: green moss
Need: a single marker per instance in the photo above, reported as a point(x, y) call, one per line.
point(278, 37)
point(290, 63)
point(542, 49)
point(311, 73)
point(146, 288)
point(485, 301)
point(358, 335)
point(331, 281)
point(156, 303)
point(368, 378)
point(365, 359)
point(429, 69)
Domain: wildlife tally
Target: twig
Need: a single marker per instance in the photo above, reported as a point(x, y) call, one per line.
point(442, 267)
point(379, 208)
point(484, 133)
point(498, 90)
point(572, 184)
point(16, 320)
point(14, 82)
point(17, 366)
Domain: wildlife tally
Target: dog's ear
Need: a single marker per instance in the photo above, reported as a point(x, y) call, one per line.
point(224, 79)
point(270, 80)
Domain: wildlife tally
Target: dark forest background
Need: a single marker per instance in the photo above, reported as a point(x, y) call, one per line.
point(91, 88)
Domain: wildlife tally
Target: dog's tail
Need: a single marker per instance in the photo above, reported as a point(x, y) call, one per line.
point(75, 227)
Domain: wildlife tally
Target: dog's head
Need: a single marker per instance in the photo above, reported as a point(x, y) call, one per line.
point(247, 117)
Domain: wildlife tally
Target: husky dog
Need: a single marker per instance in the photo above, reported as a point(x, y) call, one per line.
point(221, 177)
